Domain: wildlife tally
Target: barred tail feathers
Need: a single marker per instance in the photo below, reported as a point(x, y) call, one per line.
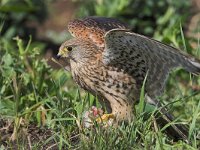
point(164, 118)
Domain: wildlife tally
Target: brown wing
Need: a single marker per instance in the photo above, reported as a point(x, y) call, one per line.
point(137, 55)
point(94, 28)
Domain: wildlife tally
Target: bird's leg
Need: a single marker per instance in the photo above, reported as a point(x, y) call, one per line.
point(109, 115)
point(97, 114)
point(105, 118)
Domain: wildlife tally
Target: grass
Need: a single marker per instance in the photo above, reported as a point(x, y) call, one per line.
point(41, 107)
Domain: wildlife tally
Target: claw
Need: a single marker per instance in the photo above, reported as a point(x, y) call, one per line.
point(96, 114)
point(105, 118)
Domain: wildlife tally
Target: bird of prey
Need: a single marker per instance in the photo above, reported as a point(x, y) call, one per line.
point(111, 62)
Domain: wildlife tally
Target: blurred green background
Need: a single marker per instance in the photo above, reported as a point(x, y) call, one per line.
point(46, 20)
point(34, 92)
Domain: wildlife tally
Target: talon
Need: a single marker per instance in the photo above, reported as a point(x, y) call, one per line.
point(96, 114)
point(105, 118)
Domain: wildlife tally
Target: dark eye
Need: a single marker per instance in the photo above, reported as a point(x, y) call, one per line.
point(69, 48)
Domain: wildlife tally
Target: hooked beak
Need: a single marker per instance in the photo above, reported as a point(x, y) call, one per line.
point(62, 53)
point(58, 56)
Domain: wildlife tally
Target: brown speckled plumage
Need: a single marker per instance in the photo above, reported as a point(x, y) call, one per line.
point(111, 62)
point(94, 28)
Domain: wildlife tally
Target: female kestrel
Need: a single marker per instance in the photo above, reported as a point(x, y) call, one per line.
point(111, 62)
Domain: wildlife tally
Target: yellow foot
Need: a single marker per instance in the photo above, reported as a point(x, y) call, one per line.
point(105, 118)
point(97, 115)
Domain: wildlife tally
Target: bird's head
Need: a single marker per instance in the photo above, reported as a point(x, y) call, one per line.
point(77, 50)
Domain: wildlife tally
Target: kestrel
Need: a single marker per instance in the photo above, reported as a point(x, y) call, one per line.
point(111, 62)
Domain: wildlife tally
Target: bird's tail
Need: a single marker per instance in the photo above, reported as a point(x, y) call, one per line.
point(165, 120)
point(175, 131)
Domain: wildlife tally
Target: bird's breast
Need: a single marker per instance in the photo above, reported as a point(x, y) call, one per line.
point(103, 80)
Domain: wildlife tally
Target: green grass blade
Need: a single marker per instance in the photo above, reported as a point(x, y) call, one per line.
point(193, 124)
point(142, 96)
